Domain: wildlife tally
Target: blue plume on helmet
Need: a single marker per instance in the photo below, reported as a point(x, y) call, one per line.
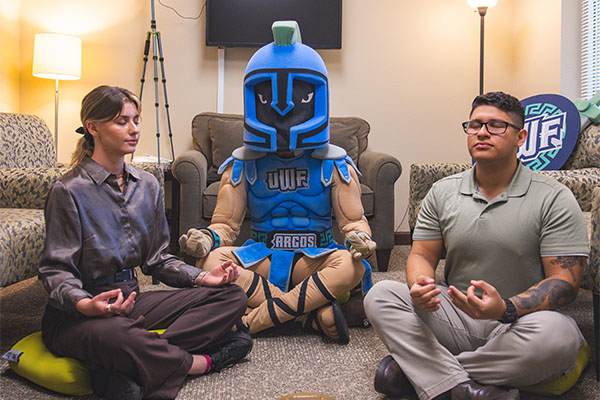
point(286, 95)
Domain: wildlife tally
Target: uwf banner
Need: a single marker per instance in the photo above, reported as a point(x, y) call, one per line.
point(552, 123)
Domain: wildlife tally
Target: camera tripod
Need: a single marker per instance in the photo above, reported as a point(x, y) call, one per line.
point(156, 42)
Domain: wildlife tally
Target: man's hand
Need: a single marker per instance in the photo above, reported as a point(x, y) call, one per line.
point(489, 306)
point(196, 243)
point(220, 275)
point(100, 306)
point(424, 294)
point(361, 245)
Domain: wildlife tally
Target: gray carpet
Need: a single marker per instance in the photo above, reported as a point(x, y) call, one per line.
point(285, 360)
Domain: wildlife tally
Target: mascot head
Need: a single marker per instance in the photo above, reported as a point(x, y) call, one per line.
point(286, 96)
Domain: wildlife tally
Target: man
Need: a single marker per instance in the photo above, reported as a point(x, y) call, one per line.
point(516, 245)
point(289, 178)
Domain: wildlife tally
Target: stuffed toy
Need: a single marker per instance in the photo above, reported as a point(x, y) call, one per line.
point(289, 178)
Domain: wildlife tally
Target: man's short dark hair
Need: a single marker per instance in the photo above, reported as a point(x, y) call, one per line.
point(507, 103)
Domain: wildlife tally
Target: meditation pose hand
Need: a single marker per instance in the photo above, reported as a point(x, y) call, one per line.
point(100, 305)
point(424, 294)
point(489, 306)
point(219, 275)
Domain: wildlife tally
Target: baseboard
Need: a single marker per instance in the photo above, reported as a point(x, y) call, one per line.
point(402, 238)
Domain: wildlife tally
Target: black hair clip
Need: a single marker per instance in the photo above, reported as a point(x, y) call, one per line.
point(80, 130)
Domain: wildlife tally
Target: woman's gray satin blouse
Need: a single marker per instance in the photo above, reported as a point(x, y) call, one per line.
point(94, 230)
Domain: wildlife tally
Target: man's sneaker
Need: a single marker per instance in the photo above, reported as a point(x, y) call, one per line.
point(114, 386)
point(229, 350)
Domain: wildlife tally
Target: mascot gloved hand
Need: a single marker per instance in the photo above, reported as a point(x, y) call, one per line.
point(196, 243)
point(360, 245)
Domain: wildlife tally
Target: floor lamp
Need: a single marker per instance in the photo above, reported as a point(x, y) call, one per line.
point(57, 57)
point(481, 6)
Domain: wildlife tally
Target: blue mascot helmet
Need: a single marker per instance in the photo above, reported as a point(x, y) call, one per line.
point(286, 95)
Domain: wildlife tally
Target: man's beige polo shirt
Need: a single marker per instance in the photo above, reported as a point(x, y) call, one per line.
point(502, 241)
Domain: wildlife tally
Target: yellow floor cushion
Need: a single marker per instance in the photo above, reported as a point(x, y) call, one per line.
point(566, 380)
point(31, 359)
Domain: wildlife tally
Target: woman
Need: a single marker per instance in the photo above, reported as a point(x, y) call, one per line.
point(103, 218)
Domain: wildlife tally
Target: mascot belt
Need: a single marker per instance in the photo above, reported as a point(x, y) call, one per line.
point(282, 261)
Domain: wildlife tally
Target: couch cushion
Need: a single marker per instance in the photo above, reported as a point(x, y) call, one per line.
point(27, 187)
point(367, 197)
point(209, 200)
point(22, 234)
point(351, 134)
point(226, 135)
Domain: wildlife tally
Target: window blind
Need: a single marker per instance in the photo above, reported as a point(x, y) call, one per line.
point(590, 47)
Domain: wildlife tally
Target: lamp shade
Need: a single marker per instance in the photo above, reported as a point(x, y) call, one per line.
point(482, 3)
point(57, 56)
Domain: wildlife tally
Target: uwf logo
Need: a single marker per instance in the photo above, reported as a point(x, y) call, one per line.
point(292, 241)
point(552, 123)
point(545, 133)
point(287, 179)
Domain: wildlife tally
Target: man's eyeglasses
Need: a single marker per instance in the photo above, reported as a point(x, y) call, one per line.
point(494, 126)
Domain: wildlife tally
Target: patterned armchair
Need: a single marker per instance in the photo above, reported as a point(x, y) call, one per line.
point(28, 169)
point(581, 174)
point(215, 136)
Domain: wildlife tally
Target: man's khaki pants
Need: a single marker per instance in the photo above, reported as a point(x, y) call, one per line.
point(438, 350)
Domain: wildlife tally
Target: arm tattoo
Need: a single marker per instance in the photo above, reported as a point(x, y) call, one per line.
point(556, 292)
point(570, 263)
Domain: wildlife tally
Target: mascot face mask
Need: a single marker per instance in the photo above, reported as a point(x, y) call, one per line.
point(286, 96)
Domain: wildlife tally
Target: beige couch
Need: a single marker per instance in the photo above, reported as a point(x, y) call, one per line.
point(215, 136)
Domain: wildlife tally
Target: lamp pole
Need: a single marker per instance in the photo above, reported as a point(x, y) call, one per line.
point(482, 12)
point(56, 117)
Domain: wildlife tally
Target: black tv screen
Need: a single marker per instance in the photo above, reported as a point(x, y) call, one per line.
point(247, 23)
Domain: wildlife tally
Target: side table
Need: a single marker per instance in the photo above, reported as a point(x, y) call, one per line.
point(173, 213)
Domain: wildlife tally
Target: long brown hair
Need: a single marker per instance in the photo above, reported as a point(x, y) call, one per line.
point(102, 104)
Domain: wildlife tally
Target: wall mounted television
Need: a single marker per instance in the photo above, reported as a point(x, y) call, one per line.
point(247, 23)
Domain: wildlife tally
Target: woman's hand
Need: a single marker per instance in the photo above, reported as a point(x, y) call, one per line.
point(220, 275)
point(100, 306)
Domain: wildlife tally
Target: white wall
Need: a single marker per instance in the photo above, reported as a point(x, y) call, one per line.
point(9, 54)
point(410, 68)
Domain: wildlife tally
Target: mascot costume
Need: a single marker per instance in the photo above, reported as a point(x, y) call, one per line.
point(289, 178)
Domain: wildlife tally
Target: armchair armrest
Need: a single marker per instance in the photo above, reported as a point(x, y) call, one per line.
point(581, 182)
point(190, 169)
point(591, 273)
point(380, 172)
point(422, 177)
point(378, 169)
point(27, 187)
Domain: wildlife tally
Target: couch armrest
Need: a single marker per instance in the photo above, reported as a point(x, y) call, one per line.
point(422, 177)
point(27, 187)
point(380, 172)
point(378, 168)
point(190, 169)
point(591, 273)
